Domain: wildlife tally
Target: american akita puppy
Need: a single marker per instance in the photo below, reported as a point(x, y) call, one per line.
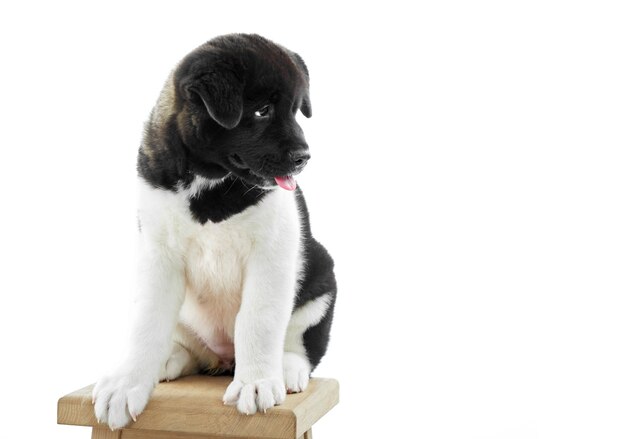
point(231, 278)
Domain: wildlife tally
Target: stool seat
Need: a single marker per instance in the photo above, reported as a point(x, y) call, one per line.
point(192, 408)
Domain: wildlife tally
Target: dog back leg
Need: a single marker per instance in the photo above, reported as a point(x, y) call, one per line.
point(306, 341)
point(180, 363)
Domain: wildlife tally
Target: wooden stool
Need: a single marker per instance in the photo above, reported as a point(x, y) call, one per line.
point(192, 408)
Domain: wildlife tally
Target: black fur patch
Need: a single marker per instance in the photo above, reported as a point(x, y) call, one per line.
point(229, 198)
point(318, 279)
point(162, 159)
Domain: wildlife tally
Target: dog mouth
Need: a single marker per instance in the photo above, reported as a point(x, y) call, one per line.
point(287, 182)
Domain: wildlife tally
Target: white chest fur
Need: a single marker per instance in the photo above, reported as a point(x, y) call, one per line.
point(214, 257)
point(215, 262)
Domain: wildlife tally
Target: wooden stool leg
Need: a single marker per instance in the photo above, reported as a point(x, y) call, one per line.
point(308, 434)
point(105, 433)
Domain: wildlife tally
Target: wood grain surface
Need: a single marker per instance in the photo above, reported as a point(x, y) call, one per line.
point(193, 406)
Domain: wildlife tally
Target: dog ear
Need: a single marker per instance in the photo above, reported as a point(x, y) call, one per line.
point(306, 105)
point(306, 101)
point(217, 83)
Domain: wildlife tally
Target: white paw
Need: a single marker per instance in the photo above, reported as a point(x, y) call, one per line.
point(258, 395)
point(120, 397)
point(296, 370)
point(178, 364)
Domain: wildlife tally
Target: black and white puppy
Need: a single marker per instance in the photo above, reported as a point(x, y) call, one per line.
point(230, 275)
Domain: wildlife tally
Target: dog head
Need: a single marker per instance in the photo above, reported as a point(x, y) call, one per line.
point(236, 99)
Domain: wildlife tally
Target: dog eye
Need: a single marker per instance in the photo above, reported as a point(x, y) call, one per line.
point(263, 111)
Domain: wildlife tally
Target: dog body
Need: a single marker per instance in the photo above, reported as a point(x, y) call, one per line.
point(230, 275)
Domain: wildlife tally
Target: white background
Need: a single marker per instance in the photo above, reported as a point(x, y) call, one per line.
point(468, 176)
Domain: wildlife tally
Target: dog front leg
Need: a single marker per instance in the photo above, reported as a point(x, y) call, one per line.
point(123, 394)
point(260, 330)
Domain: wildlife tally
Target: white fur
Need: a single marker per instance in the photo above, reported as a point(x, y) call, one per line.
point(199, 183)
point(203, 287)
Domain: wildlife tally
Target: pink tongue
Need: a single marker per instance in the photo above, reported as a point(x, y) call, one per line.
point(286, 182)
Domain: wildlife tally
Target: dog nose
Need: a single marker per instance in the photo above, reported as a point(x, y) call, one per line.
point(300, 157)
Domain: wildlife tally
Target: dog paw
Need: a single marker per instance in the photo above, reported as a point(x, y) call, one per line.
point(120, 397)
point(178, 364)
point(296, 370)
point(258, 395)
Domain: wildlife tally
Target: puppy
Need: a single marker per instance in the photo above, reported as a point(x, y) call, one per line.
point(231, 278)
